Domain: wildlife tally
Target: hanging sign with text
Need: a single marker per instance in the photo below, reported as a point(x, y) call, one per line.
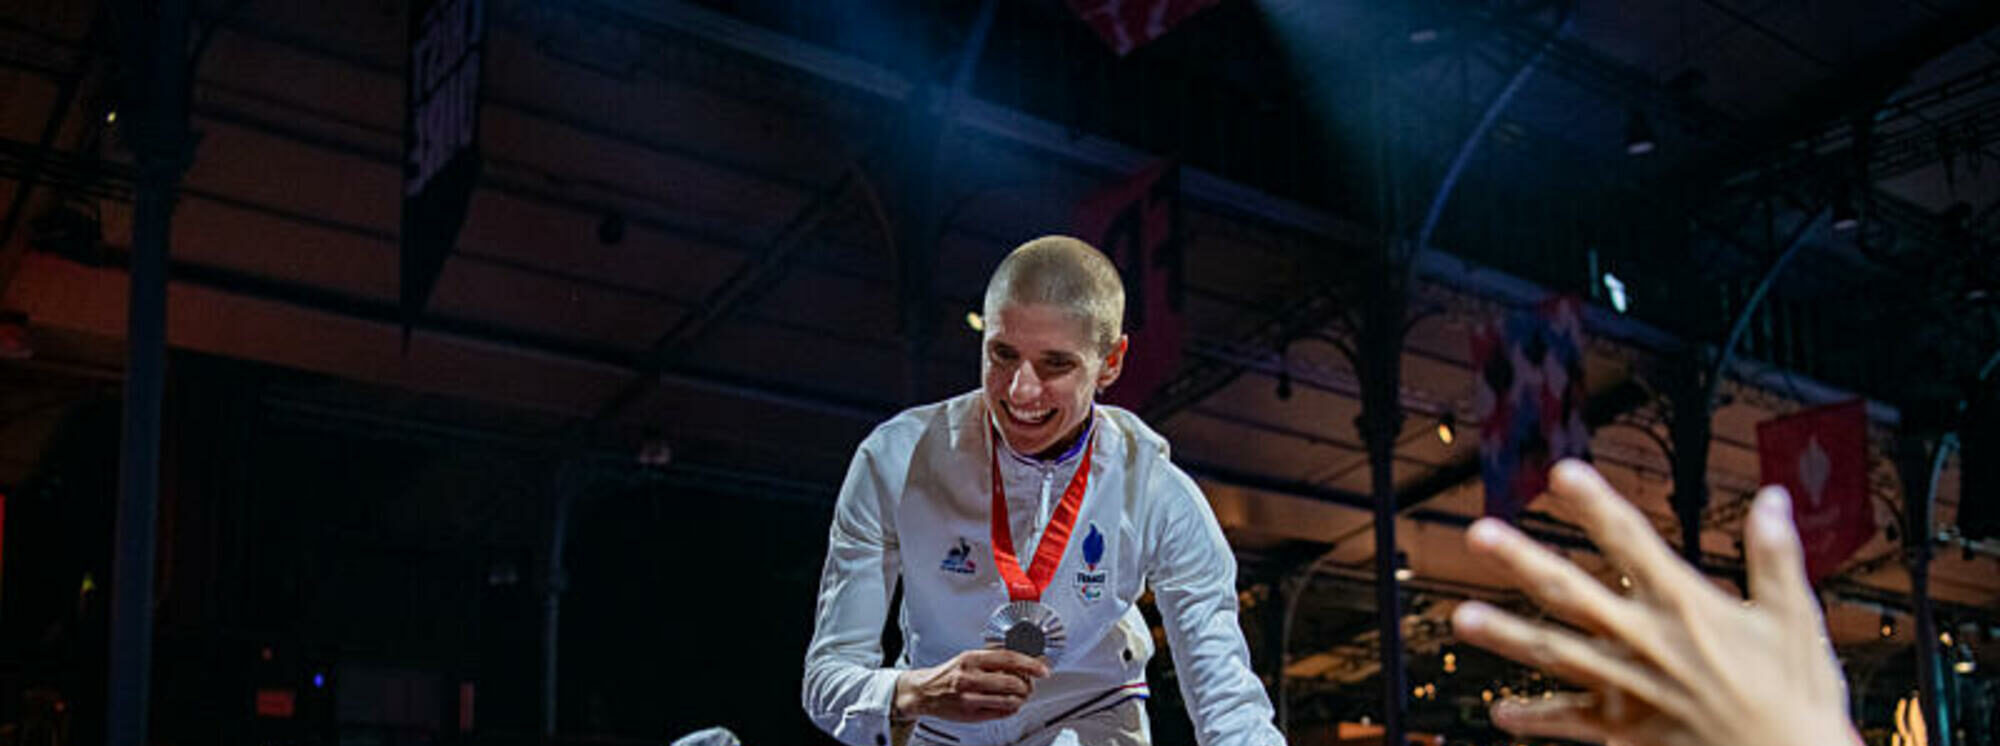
point(441, 160)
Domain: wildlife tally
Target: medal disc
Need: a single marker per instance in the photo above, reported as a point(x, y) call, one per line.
point(1027, 639)
point(1028, 628)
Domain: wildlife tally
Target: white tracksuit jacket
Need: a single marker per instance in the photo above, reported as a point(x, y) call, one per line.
point(916, 503)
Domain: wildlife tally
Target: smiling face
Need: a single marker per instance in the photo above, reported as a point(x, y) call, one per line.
point(1053, 310)
point(1040, 371)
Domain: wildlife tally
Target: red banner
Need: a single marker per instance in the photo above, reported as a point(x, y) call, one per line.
point(1821, 457)
point(1529, 399)
point(1137, 224)
point(1126, 24)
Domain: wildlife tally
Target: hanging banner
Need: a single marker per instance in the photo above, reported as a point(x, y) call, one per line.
point(441, 161)
point(1529, 396)
point(1138, 224)
point(1821, 457)
point(1126, 24)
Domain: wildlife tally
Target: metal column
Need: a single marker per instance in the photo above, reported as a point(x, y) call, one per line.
point(157, 34)
point(1381, 420)
point(1915, 466)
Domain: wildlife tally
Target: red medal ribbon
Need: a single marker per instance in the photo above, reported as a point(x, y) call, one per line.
point(1029, 586)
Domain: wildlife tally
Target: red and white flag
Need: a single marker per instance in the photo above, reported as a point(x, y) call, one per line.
point(1126, 24)
point(1821, 457)
point(1529, 396)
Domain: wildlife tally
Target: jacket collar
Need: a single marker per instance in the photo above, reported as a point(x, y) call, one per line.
point(1070, 454)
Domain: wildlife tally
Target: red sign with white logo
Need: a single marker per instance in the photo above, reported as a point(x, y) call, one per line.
point(1821, 457)
point(1126, 24)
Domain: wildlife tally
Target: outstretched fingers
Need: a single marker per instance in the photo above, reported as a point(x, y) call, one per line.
point(1571, 716)
point(1776, 562)
point(1569, 656)
point(1624, 534)
point(1555, 583)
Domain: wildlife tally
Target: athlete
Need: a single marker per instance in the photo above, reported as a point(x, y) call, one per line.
point(1024, 521)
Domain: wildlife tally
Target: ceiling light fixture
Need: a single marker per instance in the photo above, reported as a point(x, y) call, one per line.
point(1639, 138)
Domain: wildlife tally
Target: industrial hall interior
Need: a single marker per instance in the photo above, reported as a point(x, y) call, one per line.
point(710, 372)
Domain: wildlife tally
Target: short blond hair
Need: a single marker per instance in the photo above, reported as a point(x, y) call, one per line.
point(1067, 273)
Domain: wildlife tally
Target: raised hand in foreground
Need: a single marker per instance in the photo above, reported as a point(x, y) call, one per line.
point(1678, 662)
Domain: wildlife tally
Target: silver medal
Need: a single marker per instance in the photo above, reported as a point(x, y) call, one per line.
point(1028, 628)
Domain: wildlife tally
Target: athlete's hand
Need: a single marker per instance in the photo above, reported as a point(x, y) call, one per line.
point(1678, 663)
point(974, 685)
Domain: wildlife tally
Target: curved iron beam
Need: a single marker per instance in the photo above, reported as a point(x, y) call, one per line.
point(1750, 306)
point(1478, 133)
